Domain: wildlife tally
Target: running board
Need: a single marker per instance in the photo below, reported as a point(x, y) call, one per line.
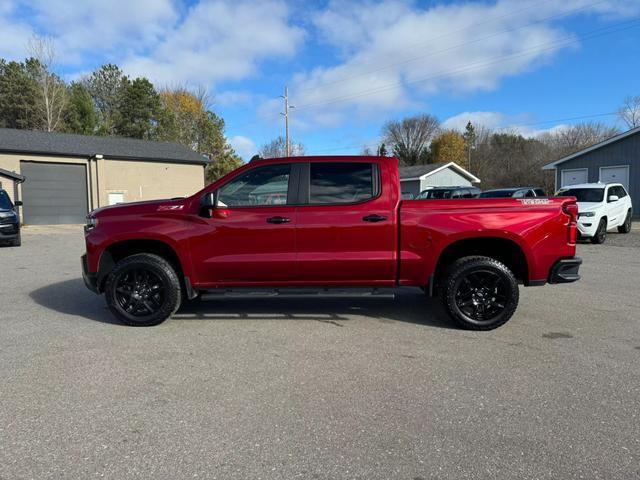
point(298, 293)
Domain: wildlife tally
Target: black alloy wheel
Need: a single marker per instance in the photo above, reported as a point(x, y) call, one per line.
point(626, 226)
point(480, 293)
point(143, 290)
point(139, 292)
point(601, 233)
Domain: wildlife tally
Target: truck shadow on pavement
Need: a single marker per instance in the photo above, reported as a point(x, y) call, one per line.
point(71, 297)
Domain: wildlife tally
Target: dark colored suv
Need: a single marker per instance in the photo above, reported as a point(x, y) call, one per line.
point(518, 192)
point(442, 193)
point(9, 221)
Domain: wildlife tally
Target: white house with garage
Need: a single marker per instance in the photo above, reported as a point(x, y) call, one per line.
point(416, 178)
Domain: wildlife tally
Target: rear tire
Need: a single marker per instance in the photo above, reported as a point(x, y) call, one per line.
point(601, 233)
point(626, 226)
point(143, 290)
point(480, 293)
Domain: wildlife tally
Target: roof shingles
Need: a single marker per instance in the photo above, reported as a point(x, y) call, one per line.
point(416, 171)
point(53, 143)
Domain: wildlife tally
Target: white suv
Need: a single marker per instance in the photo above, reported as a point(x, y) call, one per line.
point(601, 207)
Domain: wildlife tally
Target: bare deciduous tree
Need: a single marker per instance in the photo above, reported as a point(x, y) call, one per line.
point(52, 90)
point(629, 112)
point(409, 138)
point(276, 149)
point(576, 137)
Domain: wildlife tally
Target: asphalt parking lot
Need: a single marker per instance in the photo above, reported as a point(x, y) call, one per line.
point(334, 389)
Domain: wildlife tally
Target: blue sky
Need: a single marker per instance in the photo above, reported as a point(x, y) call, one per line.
point(353, 65)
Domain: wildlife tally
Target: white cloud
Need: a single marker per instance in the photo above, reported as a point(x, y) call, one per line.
point(203, 44)
point(13, 34)
point(84, 28)
point(522, 124)
point(218, 41)
point(394, 52)
point(245, 147)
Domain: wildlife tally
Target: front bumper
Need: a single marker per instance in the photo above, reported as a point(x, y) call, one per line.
point(587, 227)
point(90, 279)
point(565, 270)
point(9, 231)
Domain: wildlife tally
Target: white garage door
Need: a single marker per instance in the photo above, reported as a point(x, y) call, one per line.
point(573, 177)
point(615, 175)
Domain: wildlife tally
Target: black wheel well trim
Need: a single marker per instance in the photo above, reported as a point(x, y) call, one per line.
point(126, 248)
point(504, 250)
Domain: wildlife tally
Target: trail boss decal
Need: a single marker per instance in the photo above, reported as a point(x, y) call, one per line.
point(535, 201)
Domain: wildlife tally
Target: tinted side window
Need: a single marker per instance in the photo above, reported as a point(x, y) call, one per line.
point(5, 201)
point(540, 192)
point(261, 186)
point(331, 183)
point(620, 192)
point(520, 194)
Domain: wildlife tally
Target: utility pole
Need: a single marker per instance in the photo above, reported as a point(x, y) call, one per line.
point(287, 143)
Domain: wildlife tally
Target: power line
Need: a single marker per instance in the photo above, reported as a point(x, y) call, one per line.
point(363, 144)
point(540, 47)
point(452, 32)
point(454, 47)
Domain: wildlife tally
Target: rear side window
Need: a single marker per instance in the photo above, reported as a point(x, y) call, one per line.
point(336, 183)
point(540, 192)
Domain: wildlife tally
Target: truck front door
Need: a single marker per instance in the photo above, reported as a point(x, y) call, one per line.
point(250, 237)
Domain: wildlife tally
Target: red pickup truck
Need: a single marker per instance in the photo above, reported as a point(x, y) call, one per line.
point(327, 223)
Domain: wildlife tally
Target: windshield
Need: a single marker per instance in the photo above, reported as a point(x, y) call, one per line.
point(497, 194)
point(584, 194)
point(5, 201)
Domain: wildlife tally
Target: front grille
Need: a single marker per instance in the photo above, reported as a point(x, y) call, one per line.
point(4, 220)
point(9, 230)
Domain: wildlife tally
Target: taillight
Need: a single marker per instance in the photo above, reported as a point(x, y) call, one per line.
point(571, 209)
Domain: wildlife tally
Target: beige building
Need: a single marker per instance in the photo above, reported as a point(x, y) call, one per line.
point(66, 176)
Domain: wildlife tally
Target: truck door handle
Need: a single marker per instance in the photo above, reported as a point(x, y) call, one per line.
point(278, 220)
point(374, 218)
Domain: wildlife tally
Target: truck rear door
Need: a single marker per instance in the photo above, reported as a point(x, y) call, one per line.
point(346, 224)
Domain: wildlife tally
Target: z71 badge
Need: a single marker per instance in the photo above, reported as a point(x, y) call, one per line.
point(164, 208)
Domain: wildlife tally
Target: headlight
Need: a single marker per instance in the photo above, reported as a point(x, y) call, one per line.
point(587, 214)
point(92, 222)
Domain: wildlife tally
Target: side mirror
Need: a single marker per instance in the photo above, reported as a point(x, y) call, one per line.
point(209, 200)
point(17, 203)
point(613, 198)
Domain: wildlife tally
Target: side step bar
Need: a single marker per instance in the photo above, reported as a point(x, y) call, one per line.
point(298, 293)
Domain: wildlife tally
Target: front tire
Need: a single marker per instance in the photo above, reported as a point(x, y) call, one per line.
point(16, 242)
point(601, 233)
point(143, 290)
point(480, 293)
point(626, 226)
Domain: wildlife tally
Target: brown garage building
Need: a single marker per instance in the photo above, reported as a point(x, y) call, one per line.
point(68, 175)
